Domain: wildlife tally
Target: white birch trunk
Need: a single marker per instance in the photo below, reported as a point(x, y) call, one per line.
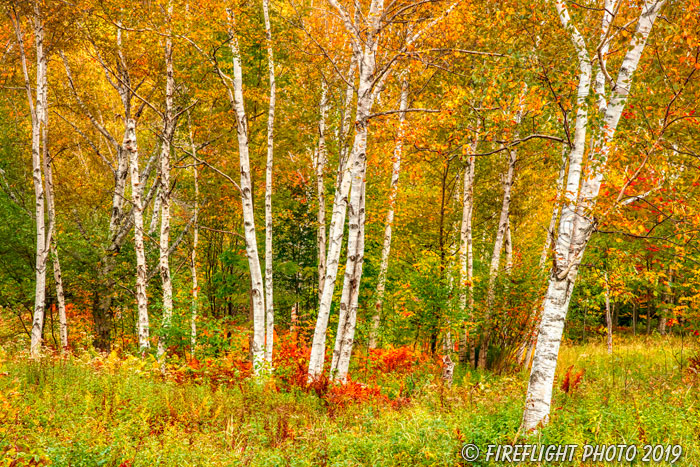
point(576, 226)
point(364, 51)
point(164, 243)
point(508, 246)
point(258, 298)
point(389, 222)
point(320, 188)
point(119, 223)
point(156, 212)
point(345, 121)
point(38, 111)
point(131, 147)
point(269, 303)
point(335, 238)
point(496, 256)
point(193, 257)
point(51, 238)
point(466, 254)
point(353, 273)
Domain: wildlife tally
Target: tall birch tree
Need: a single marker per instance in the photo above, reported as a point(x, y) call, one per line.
point(169, 117)
point(577, 218)
point(364, 36)
point(269, 305)
point(466, 253)
point(320, 166)
point(389, 221)
point(235, 92)
point(37, 99)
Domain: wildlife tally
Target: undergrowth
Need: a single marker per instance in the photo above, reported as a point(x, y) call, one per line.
point(119, 410)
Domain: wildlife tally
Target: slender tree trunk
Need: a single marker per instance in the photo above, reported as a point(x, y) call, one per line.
point(169, 122)
point(344, 127)
point(269, 302)
point(634, 318)
point(365, 99)
point(38, 111)
point(120, 222)
point(577, 223)
point(195, 242)
point(608, 316)
point(258, 298)
point(667, 305)
point(389, 222)
point(496, 256)
point(348, 308)
point(555, 210)
point(156, 212)
point(51, 208)
point(320, 188)
point(466, 256)
point(131, 148)
point(508, 246)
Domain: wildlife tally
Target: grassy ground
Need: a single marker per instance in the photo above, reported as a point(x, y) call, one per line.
point(92, 411)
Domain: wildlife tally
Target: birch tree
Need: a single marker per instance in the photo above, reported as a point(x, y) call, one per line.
point(320, 165)
point(37, 99)
point(53, 242)
point(389, 221)
point(121, 220)
point(195, 242)
point(364, 50)
point(169, 124)
point(269, 308)
point(365, 56)
point(501, 236)
point(577, 219)
point(235, 92)
point(466, 253)
point(131, 148)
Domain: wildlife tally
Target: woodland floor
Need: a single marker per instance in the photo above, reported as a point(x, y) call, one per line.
point(89, 410)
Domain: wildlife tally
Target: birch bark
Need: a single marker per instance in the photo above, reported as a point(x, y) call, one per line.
point(269, 303)
point(365, 51)
point(389, 221)
point(169, 123)
point(496, 256)
point(258, 297)
point(131, 148)
point(347, 317)
point(466, 254)
point(320, 188)
point(156, 212)
point(37, 106)
point(365, 57)
point(576, 225)
point(195, 242)
point(52, 240)
point(120, 222)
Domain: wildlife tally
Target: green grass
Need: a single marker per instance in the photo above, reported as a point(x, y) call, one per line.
point(120, 413)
